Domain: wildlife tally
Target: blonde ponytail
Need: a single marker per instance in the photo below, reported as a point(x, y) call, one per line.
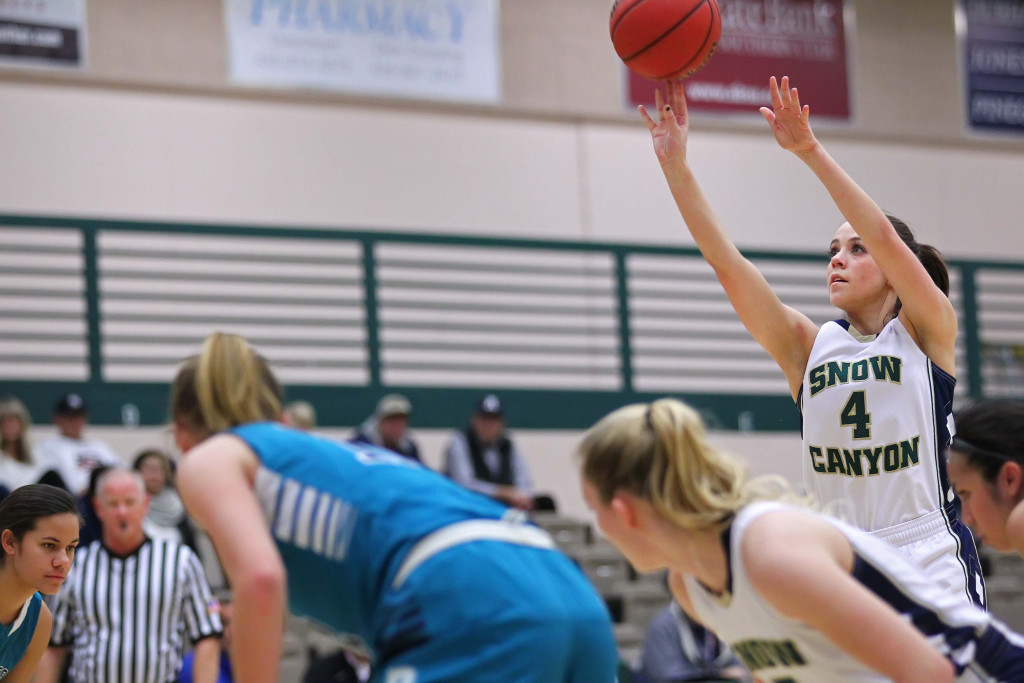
point(227, 385)
point(660, 453)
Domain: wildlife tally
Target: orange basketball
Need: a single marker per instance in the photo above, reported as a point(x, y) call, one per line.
point(665, 39)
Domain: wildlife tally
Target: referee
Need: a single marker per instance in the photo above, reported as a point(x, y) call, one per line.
point(130, 601)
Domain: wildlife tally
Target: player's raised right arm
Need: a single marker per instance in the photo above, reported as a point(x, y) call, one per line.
point(784, 333)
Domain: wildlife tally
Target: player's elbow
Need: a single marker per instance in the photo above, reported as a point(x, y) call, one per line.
point(260, 583)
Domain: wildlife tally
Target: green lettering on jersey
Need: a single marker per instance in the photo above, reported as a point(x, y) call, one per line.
point(859, 371)
point(835, 461)
point(853, 466)
point(816, 455)
point(886, 368)
point(873, 455)
point(908, 452)
point(892, 457)
point(817, 379)
point(838, 373)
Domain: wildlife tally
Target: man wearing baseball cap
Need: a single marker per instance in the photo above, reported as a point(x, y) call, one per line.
point(388, 427)
point(70, 454)
point(484, 459)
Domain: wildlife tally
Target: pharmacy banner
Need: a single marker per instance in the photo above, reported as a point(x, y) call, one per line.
point(429, 49)
point(48, 33)
point(993, 54)
point(803, 39)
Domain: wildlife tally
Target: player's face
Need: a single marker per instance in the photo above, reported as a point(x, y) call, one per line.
point(984, 508)
point(854, 279)
point(629, 540)
point(184, 439)
point(43, 557)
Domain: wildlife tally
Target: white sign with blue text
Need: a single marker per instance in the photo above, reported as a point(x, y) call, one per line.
point(431, 49)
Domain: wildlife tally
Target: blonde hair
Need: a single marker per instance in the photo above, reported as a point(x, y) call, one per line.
point(20, 449)
point(660, 453)
point(226, 385)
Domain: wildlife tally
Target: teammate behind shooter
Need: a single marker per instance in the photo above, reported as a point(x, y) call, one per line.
point(798, 596)
point(874, 389)
point(986, 465)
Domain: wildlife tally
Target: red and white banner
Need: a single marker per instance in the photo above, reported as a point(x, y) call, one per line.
point(802, 39)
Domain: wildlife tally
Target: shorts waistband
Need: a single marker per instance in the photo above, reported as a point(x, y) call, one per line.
point(512, 530)
point(915, 530)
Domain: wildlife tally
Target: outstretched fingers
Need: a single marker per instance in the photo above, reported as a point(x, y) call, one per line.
point(773, 87)
point(786, 93)
point(677, 100)
point(651, 123)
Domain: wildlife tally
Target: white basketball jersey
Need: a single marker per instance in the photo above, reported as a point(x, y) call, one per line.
point(876, 421)
point(777, 648)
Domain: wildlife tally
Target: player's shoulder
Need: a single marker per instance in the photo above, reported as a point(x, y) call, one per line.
point(778, 537)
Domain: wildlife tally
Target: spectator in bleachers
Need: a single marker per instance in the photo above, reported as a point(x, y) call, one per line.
point(388, 427)
point(70, 454)
point(17, 466)
point(484, 459)
point(677, 649)
point(300, 414)
point(166, 517)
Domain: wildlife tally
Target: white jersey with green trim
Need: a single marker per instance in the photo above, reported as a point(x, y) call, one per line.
point(778, 649)
point(876, 419)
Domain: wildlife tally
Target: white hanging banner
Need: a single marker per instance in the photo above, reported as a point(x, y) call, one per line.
point(432, 49)
point(48, 33)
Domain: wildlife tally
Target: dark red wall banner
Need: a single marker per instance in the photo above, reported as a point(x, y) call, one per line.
point(802, 39)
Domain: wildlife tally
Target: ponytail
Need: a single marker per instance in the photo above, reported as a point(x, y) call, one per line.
point(929, 256)
point(228, 384)
point(660, 453)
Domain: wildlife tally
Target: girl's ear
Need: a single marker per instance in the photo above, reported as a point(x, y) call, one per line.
point(1010, 480)
point(625, 508)
point(8, 542)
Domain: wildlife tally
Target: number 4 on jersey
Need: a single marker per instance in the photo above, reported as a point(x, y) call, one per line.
point(855, 414)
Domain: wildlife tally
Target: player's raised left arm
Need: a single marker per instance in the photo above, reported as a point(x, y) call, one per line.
point(926, 308)
point(811, 582)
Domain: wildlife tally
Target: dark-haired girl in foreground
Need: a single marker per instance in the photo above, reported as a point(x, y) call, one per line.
point(38, 533)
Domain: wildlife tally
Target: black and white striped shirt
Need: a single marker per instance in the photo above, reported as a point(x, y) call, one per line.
point(126, 617)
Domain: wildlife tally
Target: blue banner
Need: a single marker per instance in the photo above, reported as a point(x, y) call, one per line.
point(994, 64)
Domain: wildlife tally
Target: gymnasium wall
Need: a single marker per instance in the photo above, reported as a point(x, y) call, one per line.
point(151, 129)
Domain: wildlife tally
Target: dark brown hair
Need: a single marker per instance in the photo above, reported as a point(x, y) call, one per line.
point(929, 256)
